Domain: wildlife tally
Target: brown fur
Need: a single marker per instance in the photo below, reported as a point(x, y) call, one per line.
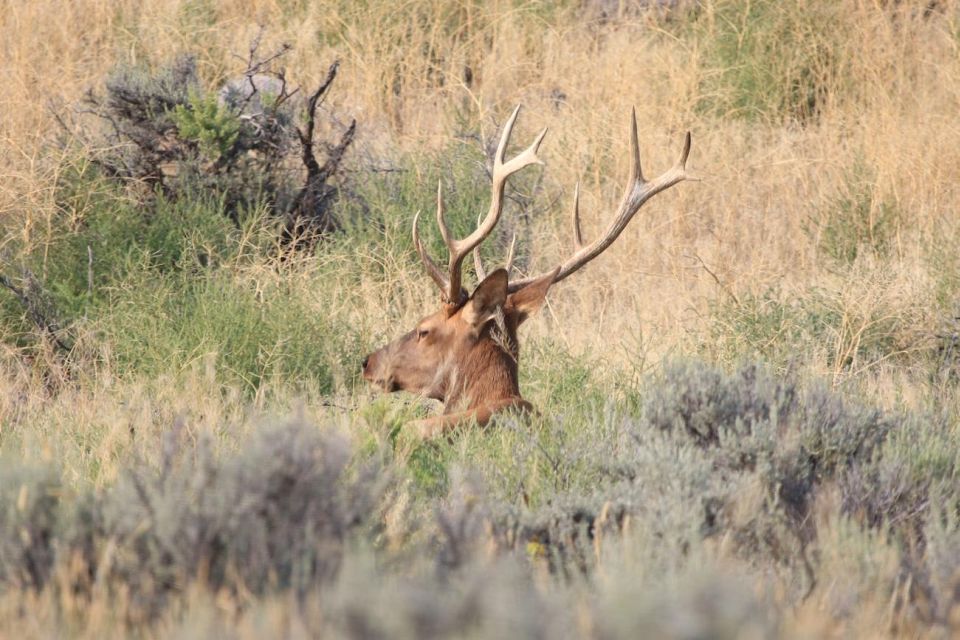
point(454, 355)
point(464, 355)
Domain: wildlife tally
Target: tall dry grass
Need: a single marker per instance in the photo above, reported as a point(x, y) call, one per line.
point(754, 220)
point(820, 236)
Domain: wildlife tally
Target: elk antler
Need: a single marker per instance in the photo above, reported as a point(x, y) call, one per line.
point(478, 263)
point(635, 195)
point(451, 285)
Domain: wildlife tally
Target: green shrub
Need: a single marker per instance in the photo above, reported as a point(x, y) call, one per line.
point(162, 129)
point(858, 219)
point(156, 292)
point(893, 490)
point(95, 249)
point(849, 330)
point(711, 453)
point(203, 121)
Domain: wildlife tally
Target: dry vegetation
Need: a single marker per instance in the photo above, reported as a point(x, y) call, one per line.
point(749, 404)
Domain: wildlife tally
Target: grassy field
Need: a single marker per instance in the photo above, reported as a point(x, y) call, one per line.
point(749, 415)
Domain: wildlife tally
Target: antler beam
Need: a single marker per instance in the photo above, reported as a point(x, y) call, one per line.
point(636, 193)
point(451, 285)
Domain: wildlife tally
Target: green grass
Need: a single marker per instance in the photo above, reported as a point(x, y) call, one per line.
point(859, 219)
point(767, 60)
point(206, 458)
point(168, 286)
point(153, 287)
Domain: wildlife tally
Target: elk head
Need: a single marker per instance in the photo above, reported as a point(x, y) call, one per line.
point(466, 353)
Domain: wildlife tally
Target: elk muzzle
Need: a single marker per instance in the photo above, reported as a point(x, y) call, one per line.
point(376, 373)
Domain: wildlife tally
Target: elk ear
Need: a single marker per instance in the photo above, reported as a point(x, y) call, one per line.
point(526, 302)
point(489, 296)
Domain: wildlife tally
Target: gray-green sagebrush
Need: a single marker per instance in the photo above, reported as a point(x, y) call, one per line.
point(744, 457)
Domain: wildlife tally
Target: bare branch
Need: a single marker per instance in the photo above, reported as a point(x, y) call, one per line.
point(308, 212)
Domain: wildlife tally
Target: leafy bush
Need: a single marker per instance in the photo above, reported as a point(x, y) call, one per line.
point(160, 324)
point(711, 453)
point(752, 408)
point(771, 435)
point(214, 129)
point(154, 293)
point(102, 245)
point(849, 328)
point(277, 515)
point(893, 490)
point(162, 130)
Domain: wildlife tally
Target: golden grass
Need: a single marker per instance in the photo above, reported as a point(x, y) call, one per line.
point(764, 185)
point(752, 223)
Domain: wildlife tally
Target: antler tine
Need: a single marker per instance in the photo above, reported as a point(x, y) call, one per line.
point(441, 219)
point(432, 269)
point(682, 160)
point(511, 253)
point(577, 233)
point(521, 160)
point(478, 266)
point(501, 171)
point(478, 262)
point(636, 170)
point(636, 193)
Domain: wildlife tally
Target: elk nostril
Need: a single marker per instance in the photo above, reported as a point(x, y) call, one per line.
point(364, 363)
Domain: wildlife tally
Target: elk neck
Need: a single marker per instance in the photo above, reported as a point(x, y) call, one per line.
point(486, 374)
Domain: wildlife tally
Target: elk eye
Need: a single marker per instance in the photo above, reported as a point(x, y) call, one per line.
point(422, 333)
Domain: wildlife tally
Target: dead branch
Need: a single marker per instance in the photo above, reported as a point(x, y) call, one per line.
point(306, 136)
point(309, 213)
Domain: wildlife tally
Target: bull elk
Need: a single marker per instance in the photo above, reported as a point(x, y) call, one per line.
point(466, 353)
